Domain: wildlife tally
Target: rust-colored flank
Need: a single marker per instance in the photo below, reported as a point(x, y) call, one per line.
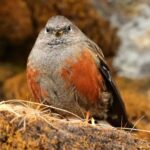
point(37, 91)
point(84, 75)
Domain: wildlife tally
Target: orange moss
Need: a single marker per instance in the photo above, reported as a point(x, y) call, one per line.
point(54, 133)
point(134, 93)
point(16, 87)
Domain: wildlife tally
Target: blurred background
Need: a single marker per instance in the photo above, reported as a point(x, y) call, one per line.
point(120, 28)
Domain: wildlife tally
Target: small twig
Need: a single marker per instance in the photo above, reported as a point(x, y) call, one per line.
point(137, 122)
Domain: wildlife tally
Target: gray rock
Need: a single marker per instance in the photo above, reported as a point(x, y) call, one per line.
point(133, 57)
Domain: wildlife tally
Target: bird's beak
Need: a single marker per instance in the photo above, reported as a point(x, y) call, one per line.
point(59, 33)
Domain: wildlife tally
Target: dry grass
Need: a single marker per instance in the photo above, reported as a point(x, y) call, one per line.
point(29, 125)
point(135, 95)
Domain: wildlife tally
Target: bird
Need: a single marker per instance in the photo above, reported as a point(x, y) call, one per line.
point(67, 70)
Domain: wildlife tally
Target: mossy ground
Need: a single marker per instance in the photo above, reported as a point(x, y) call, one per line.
point(24, 127)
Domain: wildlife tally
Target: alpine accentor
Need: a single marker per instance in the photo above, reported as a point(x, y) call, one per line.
point(67, 70)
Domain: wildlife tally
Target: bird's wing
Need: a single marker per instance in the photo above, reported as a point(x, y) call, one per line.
point(117, 115)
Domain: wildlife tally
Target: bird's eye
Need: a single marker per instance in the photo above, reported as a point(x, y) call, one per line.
point(68, 28)
point(47, 29)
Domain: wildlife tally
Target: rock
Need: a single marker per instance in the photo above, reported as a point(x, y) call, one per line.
point(132, 59)
point(135, 95)
point(15, 22)
point(136, 98)
point(16, 87)
point(21, 21)
point(132, 17)
point(16, 30)
point(23, 127)
point(6, 71)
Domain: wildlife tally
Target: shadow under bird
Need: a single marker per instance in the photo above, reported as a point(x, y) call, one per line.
point(67, 70)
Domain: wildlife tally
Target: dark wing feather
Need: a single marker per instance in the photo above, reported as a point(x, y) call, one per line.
point(117, 115)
